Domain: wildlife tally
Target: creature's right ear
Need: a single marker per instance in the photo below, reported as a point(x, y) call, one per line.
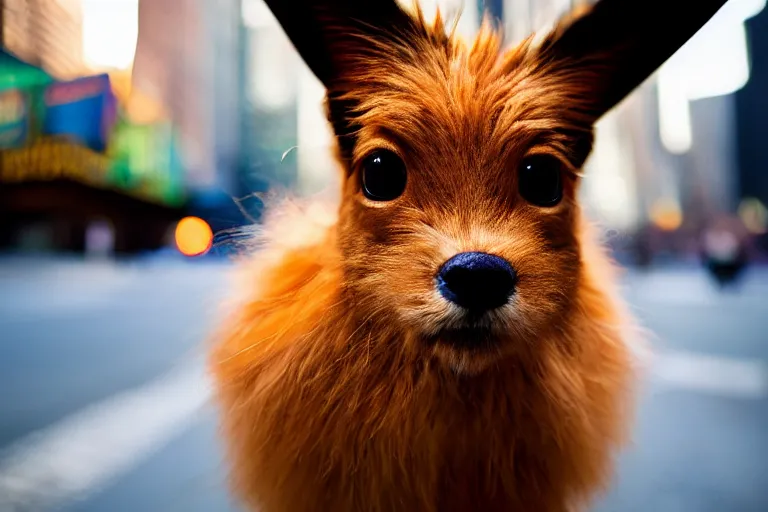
point(332, 36)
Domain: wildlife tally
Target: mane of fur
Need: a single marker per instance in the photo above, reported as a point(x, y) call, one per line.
point(331, 401)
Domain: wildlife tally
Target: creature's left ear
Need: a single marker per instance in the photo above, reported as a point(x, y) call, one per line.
point(605, 53)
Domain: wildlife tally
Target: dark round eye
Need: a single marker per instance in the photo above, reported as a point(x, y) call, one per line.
point(540, 180)
point(383, 176)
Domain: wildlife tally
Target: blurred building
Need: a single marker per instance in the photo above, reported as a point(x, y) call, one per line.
point(187, 59)
point(276, 90)
point(46, 33)
point(225, 50)
point(752, 115)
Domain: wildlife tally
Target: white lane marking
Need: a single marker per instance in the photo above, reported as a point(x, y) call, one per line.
point(86, 451)
point(735, 378)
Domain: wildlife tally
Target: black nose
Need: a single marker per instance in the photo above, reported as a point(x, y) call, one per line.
point(477, 281)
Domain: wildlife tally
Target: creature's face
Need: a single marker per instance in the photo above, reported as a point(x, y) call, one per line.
point(459, 220)
point(460, 213)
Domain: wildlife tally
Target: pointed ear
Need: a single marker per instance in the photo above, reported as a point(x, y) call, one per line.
point(334, 35)
point(607, 51)
point(344, 43)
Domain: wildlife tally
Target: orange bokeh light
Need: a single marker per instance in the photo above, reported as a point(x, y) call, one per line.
point(194, 236)
point(666, 215)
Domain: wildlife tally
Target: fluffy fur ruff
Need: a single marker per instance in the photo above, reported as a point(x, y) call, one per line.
point(325, 410)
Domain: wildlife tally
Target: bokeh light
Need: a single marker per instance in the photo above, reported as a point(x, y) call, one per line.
point(754, 215)
point(194, 236)
point(666, 214)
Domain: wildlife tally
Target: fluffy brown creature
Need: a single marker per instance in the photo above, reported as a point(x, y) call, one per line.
point(350, 376)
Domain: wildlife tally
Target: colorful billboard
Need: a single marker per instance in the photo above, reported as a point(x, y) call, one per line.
point(76, 130)
point(82, 111)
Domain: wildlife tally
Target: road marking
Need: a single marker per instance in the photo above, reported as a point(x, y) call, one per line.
point(736, 378)
point(86, 451)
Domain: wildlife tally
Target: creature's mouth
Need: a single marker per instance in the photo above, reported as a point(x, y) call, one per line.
point(467, 350)
point(468, 338)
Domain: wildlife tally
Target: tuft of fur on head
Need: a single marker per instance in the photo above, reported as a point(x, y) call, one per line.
point(344, 380)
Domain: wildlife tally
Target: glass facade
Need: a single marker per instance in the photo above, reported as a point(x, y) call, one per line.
point(46, 33)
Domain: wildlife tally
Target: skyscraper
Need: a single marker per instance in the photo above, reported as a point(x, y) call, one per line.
point(172, 66)
point(187, 58)
point(46, 33)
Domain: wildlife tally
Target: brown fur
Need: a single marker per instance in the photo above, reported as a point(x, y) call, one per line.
point(336, 396)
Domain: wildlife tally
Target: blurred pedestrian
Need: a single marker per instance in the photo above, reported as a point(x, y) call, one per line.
point(725, 249)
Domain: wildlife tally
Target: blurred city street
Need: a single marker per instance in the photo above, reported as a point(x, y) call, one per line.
point(139, 137)
point(105, 405)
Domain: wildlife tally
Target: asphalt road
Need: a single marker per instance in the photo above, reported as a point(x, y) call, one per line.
point(104, 406)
